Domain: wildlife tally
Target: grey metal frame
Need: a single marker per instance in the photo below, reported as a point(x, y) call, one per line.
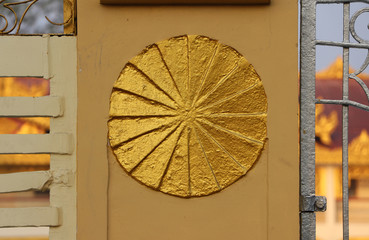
point(309, 203)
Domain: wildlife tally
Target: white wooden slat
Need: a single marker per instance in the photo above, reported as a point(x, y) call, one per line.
point(29, 217)
point(16, 182)
point(49, 106)
point(59, 143)
point(22, 56)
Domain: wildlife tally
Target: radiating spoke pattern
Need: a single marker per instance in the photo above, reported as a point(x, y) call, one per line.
point(188, 116)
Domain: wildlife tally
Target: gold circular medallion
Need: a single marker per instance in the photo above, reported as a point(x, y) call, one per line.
point(187, 116)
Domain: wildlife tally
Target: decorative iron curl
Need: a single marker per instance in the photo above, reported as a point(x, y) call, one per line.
point(359, 80)
point(359, 39)
point(9, 7)
point(362, 41)
point(352, 25)
point(363, 66)
point(6, 23)
point(361, 83)
point(69, 18)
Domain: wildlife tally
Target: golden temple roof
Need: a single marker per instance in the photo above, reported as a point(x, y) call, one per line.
point(335, 70)
point(358, 152)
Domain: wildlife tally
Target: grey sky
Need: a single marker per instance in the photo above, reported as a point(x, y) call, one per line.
point(329, 27)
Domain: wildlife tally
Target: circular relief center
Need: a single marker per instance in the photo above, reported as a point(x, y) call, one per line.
point(187, 116)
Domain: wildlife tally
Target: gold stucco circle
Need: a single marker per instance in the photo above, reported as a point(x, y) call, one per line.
point(187, 116)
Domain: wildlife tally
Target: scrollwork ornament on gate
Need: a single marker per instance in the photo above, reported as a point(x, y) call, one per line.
point(360, 40)
point(18, 19)
point(352, 25)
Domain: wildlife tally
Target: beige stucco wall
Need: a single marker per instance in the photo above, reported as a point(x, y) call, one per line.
point(261, 205)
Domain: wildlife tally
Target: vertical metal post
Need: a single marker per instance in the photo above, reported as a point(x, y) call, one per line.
point(307, 114)
point(345, 112)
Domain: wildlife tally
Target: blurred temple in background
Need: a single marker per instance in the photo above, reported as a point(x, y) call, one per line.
point(329, 156)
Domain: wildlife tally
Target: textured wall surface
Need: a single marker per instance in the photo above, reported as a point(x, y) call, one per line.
point(257, 206)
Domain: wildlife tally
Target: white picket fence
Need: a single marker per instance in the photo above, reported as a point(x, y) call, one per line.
point(52, 58)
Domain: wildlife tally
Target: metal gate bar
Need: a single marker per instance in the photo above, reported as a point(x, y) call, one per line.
point(307, 115)
point(345, 115)
point(308, 44)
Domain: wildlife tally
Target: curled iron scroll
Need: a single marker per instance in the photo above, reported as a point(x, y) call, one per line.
point(6, 23)
point(17, 23)
point(359, 39)
point(8, 6)
point(352, 25)
point(69, 18)
point(363, 41)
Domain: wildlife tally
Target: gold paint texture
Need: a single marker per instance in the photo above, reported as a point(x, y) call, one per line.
point(188, 116)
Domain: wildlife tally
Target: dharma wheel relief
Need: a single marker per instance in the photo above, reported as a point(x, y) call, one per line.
point(188, 116)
